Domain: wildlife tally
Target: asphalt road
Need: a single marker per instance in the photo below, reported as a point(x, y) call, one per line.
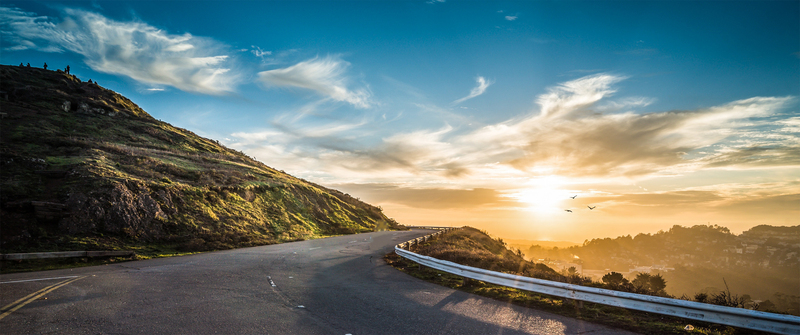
point(336, 285)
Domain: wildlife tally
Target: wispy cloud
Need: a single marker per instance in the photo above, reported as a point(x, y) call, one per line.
point(133, 49)
point(432, 198)
point(625, 103)
point(483, 84)
point(572, 136)
point(511, 17)
point(751, 199)
point(325, 76)
point(579, 129)
point(573, 96)
point(260, 53)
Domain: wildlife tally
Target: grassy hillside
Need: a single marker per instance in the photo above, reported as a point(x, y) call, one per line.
point(470, 246)
point(82, 167)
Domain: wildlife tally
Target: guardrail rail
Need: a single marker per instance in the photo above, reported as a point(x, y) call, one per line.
point(65, 254)
point(737, 317)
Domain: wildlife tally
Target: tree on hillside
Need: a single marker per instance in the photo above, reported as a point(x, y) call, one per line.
point(615, 280)
point(572, 271)
point(658, 284)
point(642, 282)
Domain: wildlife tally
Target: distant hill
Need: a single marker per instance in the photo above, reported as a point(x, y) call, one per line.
point(525, 244)
point(762, 262)
point(82, 167)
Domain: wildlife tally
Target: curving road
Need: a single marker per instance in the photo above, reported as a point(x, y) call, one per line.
point(337, 285)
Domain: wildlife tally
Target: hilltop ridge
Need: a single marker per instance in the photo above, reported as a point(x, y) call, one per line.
point(83, 167)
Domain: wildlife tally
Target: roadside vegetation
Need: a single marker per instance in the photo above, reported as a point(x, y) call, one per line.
point(84, 168)
point(469, 246)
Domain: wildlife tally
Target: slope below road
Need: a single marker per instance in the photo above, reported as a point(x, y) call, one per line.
point(336, 285)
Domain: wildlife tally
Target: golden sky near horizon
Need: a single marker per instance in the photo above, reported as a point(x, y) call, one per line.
point(539, 213)
point(488, 114)
point(734, 165)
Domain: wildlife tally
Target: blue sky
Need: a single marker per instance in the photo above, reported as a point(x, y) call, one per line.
point(486, 113)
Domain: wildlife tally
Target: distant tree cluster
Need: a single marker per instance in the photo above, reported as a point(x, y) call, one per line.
point(763, 260)
point(644, 283)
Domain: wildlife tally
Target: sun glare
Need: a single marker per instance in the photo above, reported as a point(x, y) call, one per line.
point(544, 195)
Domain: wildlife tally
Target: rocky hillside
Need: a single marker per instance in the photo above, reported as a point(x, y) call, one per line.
point(83, 167)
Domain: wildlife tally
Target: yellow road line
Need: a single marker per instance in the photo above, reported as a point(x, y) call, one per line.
point(35, 295)
point(28, 296)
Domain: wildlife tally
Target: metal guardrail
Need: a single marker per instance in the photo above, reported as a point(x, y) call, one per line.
point(65, 254)
point(737, 317)
point(429, 227)
point(425, 238)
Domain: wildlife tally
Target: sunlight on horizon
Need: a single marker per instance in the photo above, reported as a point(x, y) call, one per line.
point(493, 123)
point(545, 195)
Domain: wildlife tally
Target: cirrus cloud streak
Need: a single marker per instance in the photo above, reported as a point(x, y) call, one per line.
point(573, 134)
point(483, 84)
point(133, 49)
point(325, 76)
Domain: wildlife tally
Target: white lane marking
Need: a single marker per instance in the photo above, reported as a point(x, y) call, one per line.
point(27, 280)
point(314, 248)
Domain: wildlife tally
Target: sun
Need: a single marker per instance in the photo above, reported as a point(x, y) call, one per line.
point(544, 195)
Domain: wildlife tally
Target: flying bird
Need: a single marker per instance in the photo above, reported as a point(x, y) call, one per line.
point(590, 207)
point(573, 197)
point(568, 210)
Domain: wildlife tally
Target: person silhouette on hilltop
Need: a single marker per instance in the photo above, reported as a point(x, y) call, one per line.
point(45, 66)
point(29, 64)
point(67, 70)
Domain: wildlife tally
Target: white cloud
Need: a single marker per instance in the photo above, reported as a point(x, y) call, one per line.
point(322, 75)
point(133, 49)
point(572, 135)
point(259, 52)
point(483, 84)
point(511, 17)
point(265, 55)
point(626, 103)
point(572, 96)
point(574, 132)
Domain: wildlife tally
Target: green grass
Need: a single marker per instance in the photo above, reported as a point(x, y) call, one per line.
point(212, 197)
point(59, 161)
